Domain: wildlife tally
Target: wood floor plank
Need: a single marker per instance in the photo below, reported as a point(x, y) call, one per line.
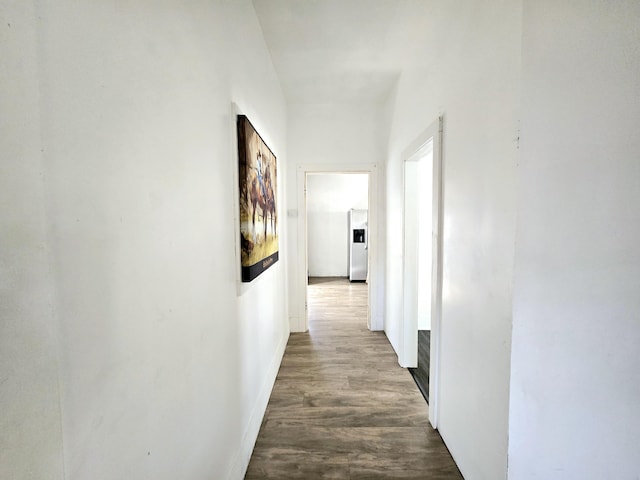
point(349, 416)
point(284, 463)
point(433, 465)
point(382, 441)
point(341, 407)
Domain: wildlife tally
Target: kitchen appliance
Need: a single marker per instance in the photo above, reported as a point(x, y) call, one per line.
point(358, 245)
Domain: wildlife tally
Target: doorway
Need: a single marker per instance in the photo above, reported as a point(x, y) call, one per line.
point(337, 208)
point(418, 252)
point(374, 321)
point(422, 262)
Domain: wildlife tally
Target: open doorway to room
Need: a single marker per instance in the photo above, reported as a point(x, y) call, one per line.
point(337, 240)
point(325, 239)
point(337, 234)
point(418, 222)
point(422, 262)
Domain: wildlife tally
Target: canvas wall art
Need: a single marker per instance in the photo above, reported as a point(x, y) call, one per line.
point(257, 169)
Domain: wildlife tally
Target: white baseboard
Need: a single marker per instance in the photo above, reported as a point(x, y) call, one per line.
point(241, 460)
point(296, 325)
point(378, 324)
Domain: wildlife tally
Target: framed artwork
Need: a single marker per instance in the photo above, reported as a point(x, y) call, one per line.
point(257, 170)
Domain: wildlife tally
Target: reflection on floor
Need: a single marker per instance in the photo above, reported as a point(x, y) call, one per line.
point(341, 407)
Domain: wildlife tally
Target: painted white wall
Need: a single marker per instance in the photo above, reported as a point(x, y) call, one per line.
point(329, 199)
point(30, 432)
point(575, 381)
point(332, 135)
point(467, 67)
point(163, 370)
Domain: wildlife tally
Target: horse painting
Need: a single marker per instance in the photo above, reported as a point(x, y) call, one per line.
point(261, 195)
point(257, 175)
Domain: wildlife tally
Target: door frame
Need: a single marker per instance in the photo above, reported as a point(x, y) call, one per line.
point(411, 253)
point(409, 337)
point(374, 317)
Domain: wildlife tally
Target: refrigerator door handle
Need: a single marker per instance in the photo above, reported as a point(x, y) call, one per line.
point(366, 235)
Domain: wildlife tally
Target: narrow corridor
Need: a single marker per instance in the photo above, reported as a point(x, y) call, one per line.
point(341, 406)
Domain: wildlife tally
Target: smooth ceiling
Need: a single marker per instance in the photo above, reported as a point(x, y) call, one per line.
point(339, 51)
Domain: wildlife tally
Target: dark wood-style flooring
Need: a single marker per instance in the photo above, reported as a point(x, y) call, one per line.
point(341, 407)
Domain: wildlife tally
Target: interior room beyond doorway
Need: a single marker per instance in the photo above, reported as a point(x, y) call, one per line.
point(335, 251)
point(331, 199)
point(419, 256)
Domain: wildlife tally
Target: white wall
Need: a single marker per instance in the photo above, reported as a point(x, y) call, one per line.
point(330, 197)
point(164, 372)
point(338, 135)
point(30, 432)
point(575, 382)
point(467, 67)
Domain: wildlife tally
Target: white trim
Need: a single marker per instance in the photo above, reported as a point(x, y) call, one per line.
point(409, 333)
point(437, 278)
point(299, 322)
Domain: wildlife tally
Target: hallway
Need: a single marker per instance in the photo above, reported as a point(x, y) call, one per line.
point(341, 406)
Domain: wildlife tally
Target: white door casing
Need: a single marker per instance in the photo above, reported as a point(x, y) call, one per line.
point(409, 336)
point(299, 321)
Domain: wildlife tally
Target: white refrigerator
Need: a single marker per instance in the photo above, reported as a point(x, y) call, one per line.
point(358, 245)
